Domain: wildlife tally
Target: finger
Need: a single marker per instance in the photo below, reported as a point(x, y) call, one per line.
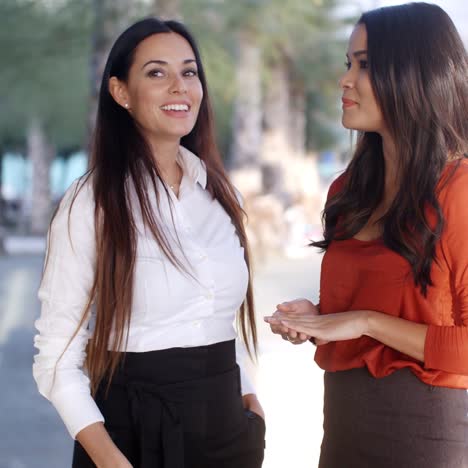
point(271, 319)
point(304, 337)
point(279, 329)
point(286, 307)
point(292, 334)
point(303, 327)
point(277, 326)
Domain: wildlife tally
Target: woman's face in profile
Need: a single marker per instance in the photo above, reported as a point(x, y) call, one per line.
point(163, 89)
point(360, 108)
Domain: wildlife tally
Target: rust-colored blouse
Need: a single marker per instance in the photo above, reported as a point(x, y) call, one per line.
point(359, 275)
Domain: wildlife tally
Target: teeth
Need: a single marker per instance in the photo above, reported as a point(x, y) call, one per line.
point(176, 107)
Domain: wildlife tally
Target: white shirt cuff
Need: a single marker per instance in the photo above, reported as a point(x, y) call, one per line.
point(77, 410)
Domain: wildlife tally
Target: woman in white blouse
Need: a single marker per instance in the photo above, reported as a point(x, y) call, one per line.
point(145, 272)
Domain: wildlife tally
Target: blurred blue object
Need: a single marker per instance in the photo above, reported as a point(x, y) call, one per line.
point(17, 174)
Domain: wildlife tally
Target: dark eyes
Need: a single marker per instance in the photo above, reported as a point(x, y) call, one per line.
point(191, 72)
point(362, 64)
point(158, 73)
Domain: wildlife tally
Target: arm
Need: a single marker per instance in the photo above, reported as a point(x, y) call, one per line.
point(247, 376)
point(100, 447)
point(447, 346)
point(64, 293)
point(400, 334)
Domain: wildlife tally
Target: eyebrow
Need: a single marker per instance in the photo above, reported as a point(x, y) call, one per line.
point(358, 53)
point(162, 62)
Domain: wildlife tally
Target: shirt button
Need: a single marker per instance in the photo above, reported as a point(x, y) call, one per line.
point(197, 324)
point(209, 295)
point(202, 256)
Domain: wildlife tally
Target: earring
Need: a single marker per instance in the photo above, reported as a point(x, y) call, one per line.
point(126, 105)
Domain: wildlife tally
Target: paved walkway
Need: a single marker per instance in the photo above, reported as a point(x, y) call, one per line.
point(289, 383)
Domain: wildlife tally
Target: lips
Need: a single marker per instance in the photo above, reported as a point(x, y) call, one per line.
point(348, 102)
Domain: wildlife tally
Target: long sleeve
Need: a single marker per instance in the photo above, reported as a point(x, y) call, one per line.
point(247, 368)
point(446, 347)
point(64, 292)
point(246, 365)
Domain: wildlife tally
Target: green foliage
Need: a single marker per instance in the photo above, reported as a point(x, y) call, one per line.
point(44, 73)
point(304, 33)
point(46, 47)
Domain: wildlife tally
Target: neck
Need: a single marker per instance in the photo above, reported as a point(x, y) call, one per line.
point(165, 156)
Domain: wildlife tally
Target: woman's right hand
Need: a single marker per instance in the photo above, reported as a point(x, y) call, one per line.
point(297, 307)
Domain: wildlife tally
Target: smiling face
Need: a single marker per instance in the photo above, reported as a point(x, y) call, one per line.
point(163, 92)
point(360, 108)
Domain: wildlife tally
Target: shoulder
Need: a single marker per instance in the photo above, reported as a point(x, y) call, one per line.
point(77, 201)
point(454, 183)
point(240, 198)
point(336, 186)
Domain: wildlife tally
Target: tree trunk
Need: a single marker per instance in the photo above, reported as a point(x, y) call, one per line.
point(247, 118)
point(167, 9)
point(41, 155)
point(276, 149)
point(298, 119)
point(111, 17)
point(2, 208)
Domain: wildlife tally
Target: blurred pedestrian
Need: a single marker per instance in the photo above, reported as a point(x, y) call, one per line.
point(145, 272)
point(392, 322)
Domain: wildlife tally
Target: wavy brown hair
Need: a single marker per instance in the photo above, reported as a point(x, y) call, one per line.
point(120, 158)
point(418, 69)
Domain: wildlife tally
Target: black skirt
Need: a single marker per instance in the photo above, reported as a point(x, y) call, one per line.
point(392, 422)
point(180, 408)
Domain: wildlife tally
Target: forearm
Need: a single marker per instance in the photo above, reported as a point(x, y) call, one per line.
point(397, 333)
point(100, 447)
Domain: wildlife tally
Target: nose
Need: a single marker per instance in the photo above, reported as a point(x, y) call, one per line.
point(347, 80)
point(178, 86)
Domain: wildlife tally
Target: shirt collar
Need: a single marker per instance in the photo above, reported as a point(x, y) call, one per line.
point(193, 167)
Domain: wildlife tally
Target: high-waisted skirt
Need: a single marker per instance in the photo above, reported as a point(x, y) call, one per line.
point(392, 422)
point(180, 408)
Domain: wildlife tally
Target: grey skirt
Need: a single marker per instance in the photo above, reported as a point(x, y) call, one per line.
point(392, 422)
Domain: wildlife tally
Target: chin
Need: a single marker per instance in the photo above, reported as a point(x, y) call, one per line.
point(350, 125)
point(347, 124)
point(178, 132)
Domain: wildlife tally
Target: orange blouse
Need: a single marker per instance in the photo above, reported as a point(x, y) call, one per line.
point(366, 275)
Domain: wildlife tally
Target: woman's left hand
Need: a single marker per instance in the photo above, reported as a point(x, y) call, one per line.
point(251, 403)
point(329, 327)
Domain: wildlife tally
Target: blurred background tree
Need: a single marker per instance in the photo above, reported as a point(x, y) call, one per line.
point(272, 68)
point(44, 90)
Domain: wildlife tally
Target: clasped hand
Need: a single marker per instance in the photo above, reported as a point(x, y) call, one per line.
point(299, 320)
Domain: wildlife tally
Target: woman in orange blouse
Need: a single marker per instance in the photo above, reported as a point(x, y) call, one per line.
point(392, 323)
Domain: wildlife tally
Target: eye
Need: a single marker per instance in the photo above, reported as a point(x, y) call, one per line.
point(347, 65)
point(156, 73)
point(191, 72)
point(363, 64)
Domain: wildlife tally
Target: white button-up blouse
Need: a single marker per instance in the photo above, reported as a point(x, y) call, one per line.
point(170, 308)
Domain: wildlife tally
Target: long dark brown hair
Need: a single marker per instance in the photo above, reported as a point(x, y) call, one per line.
point(418, 69)
point(122, 157)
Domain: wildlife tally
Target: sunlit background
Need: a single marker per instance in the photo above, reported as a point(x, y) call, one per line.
point(273, 68)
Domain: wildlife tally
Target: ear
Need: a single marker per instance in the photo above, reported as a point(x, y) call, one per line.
point(118, 90)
